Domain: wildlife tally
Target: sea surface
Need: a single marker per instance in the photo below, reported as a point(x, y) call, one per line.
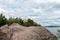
point(53, 30)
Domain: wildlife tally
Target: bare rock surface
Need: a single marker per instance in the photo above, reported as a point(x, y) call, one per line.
point(18, 32)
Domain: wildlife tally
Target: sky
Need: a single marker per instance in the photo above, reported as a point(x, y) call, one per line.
point(44, 12)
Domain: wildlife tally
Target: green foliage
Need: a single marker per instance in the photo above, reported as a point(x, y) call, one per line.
point(11, 20)
point(58, 34)
point(2, 20)
point(15, 20)
point(31, 23)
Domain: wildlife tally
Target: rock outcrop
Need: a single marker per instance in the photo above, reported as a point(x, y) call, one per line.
point(18, 32)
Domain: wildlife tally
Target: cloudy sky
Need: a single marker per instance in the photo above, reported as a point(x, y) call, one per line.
point(45, 12)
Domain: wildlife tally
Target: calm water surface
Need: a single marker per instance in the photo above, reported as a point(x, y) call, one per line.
point(53, 30)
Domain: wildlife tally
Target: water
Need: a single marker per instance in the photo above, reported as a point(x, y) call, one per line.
point(53, 30)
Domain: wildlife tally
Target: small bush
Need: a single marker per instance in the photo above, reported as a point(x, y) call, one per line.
point(58, 34)
point(15, 20)
point(2, 20)
point(31, 23)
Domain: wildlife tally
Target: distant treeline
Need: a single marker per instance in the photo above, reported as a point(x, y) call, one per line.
point(52, 26)
point(28, 22)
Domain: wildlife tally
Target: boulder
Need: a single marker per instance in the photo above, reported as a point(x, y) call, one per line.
point(18, 32)
point(4, 32)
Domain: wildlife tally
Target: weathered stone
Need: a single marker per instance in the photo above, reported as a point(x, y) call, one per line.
point(18, 32)
point(4, 32)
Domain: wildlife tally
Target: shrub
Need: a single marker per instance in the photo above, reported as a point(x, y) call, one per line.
point(31, 23)
point(15, 20)
point(58, 34)
point(2, 20)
